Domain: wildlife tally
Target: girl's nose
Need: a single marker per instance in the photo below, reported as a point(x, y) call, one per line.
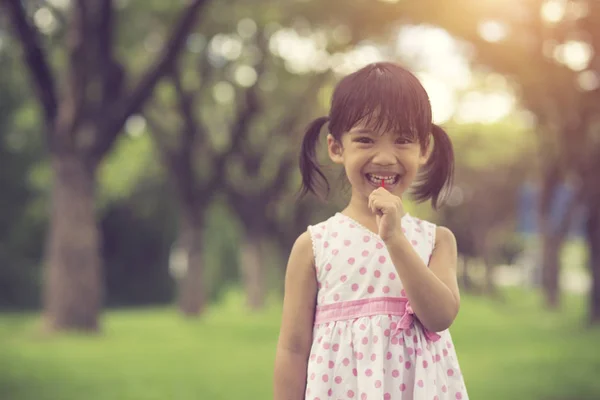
point(384, 157)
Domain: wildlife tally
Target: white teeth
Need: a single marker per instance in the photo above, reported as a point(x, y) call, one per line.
point(376, 179)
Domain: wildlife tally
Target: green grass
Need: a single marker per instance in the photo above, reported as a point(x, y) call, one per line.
point(509, 350)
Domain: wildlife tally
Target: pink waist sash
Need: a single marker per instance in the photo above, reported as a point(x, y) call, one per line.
point(348, 310)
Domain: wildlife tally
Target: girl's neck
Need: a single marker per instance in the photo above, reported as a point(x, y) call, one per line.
point(358, 210)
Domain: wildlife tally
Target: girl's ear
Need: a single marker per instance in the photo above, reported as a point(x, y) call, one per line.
point(425, 152)
point(335, 149)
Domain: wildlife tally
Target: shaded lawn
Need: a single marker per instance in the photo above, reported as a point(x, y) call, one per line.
point(509, 350)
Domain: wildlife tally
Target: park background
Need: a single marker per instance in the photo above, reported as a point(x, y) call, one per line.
point(148, 181)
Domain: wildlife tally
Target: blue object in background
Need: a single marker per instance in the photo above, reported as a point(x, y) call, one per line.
point(528, 210)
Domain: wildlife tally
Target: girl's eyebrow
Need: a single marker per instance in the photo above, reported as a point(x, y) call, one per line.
point(358, 131)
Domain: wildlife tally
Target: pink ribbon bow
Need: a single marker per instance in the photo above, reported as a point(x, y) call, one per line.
point(409, 319)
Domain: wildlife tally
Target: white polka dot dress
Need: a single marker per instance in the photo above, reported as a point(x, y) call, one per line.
point(367, 344)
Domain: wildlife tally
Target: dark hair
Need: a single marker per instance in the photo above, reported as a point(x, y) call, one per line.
point(386, 97)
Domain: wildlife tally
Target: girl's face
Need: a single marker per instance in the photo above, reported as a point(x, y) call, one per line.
point(369, 156)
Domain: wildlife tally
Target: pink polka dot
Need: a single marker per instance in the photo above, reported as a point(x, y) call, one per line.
point(371, 289)
point(425, 364)
point(352, 226)
point(400, 359)
point(386, 289)
point(388, 355)
point(438, 358)
point(359, 356)
point(365, 253)
point(326, 244)
point(395, 373)
point(338, 379)
point(365, 340)
point(379, 246)
point(458, 396)
point(354, 372)
point(402, 387)
point(392, 276)
point(351, 261)
point(347, 243)
point(403, 293)
point(354, 287)
point(375, 339)
point(377, 273)
point(330, 392)
point(331, 364)
point(410, 351)
point(362, 327)
point(368, 372)
point(363, 396)
point(373, 357)
point(343, 278)
point(319, 360)
point(414, 242)
point(444, 389)
point(318, 236)
point(377, 384)
point(445, 353)
point(325, 378)
point(366, 239)
point(346, 362)
point(334, 234)
point(449, 345)
point(362, 270)
point(416, 339)
point(335, 252)
point(312, 376)
point(436, 397)
point(328, 267)
point(420, 383)
point(394, 340)
point(350, 394)
point(450, 372)
point(326, 345)
point(336, 297)
point(387, 396)
point(407, 365)
point(312, 357)
point(336, 347)
point(382, 259)
point(386, 333)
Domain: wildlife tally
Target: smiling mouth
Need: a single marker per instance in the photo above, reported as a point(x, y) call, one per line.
point(388, 180)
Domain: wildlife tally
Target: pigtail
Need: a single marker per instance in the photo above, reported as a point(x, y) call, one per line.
point(308, 157)
point(437, 174)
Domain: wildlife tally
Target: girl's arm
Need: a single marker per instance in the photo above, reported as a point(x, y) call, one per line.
point(433, 292)
point(295, 337)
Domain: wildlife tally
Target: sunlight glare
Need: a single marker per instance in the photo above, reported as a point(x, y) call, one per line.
point(574, 54)
point(553, 11)
point(484, 107)
point(493, 31)
point(443, 103)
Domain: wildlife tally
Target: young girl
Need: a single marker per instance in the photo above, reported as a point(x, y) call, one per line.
point(371, 292)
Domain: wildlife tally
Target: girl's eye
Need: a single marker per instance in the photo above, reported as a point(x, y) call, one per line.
point(403, 141)
point(365, 140)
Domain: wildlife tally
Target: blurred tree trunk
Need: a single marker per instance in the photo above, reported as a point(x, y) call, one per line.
point(466, 281)
point(254, 270)
point(553, 234)
point(191, 291)
point(73, 289)
point(82, 124)
point(593, 239)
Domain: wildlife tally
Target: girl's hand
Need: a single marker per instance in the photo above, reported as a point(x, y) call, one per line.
point(388, 210)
